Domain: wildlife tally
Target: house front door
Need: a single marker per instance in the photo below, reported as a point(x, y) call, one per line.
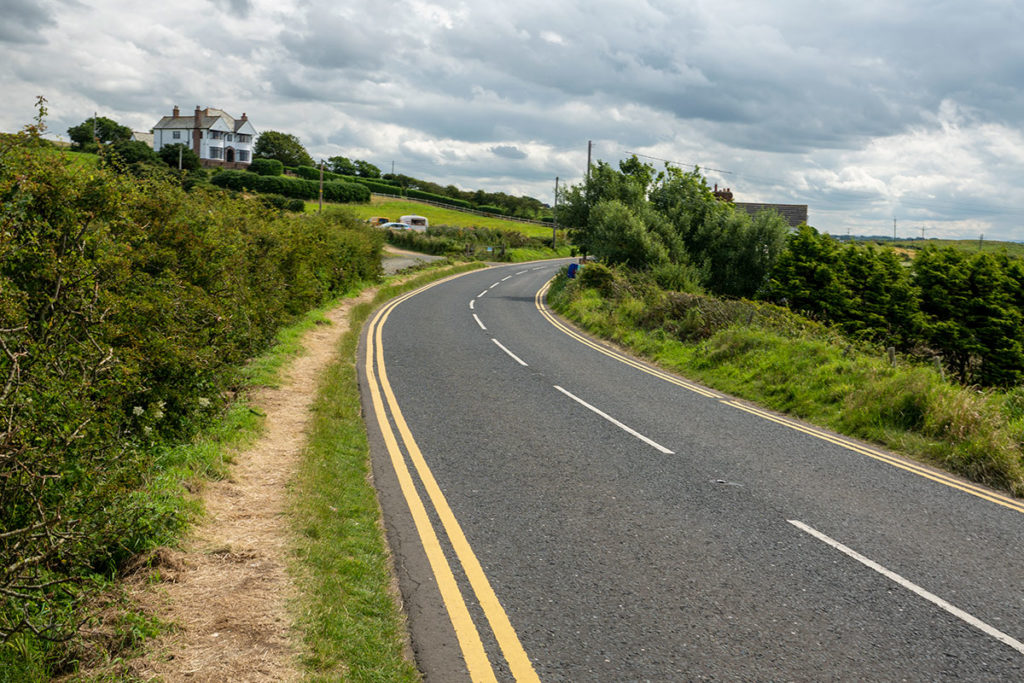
point(229, 155)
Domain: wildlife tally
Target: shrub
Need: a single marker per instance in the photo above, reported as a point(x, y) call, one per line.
point(266, 167)
point(126, 307)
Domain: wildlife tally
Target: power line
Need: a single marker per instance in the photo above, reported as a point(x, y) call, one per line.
point(681, 163)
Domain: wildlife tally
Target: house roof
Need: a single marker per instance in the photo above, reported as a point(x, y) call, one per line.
point(208, 119)
point(141, 136)
point(794, 214)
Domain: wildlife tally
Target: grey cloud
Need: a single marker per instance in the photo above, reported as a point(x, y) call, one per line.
point(508, 152)
point(240, 8)
point(23, 20)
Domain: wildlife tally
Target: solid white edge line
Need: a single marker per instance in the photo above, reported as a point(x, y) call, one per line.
point(478, 322)
point(930, 597)
point(616, 422)
point(514, 356)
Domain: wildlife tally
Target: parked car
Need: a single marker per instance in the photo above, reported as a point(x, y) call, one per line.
point(417, 222)
point(396, 226)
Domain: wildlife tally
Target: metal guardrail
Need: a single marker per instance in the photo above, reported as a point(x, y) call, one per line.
point(442, 205)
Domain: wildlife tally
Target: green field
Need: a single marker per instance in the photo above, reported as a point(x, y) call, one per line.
point(1012, 249)
point(395, 209)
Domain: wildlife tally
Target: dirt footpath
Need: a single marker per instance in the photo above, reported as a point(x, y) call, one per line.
point(228, 589)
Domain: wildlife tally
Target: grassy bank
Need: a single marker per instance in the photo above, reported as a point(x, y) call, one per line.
point(395, 209)
point(772, 357)
point(353, 627)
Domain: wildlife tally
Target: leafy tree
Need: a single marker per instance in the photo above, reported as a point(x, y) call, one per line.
point(341, 165)
point(105, 130)
point(639, 171)
point(884, 303)
point(737, 252)
point(189, 159)
point(617, 235)
point(807, 277)
point(133, 151)
point(284, 147)
point(365, 169)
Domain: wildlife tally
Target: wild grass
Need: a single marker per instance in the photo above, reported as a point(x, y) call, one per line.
point(353, 627)
point(808, 371)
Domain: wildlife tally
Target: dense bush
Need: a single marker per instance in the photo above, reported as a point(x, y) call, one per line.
point(445, 240)
point(283, 203)
point(271, 167)
point(291, 187)
point(968, 309)
point(126, 305)
point(440, 199)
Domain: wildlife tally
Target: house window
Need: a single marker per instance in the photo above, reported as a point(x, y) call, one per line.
point(244, 138)
point(176, 135)
point(228, 137)
point(216, 152)
point(243, 155)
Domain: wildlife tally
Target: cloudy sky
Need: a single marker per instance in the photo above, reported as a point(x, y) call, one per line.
point(866, 111)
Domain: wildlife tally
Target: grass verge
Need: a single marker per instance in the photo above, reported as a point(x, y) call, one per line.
point(780, 361)
point(353, 627)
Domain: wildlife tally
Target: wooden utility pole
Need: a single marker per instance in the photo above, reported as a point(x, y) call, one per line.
point(321, 209)
point(554, 226)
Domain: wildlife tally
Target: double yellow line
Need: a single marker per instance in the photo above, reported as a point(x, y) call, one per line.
point(850, 445)
point(384, 402)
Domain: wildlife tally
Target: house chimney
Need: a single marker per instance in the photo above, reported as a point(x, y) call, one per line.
point(196, 132)
point(244, 118)
point(176, 111)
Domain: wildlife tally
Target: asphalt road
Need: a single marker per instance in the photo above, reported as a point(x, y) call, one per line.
point(568, 516)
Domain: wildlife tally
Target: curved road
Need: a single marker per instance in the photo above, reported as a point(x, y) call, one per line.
point(564, 513)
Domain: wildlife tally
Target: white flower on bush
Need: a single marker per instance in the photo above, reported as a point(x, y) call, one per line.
point(137, 410)
point(204, 402)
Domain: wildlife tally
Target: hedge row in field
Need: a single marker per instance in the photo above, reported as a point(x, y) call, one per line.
point(334, 191)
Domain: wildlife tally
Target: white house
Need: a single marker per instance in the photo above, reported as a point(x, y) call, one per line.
point(216, 138)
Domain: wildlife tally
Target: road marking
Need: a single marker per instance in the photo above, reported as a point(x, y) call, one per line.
point(615, 422)
point(472, 304)
point(895, 461)
point(506, 278)
point(514, 356)
point(494, 285)
point(481, 294)
point(660, 374)
point(478, 322)
point(521, 272)
point(469, 640)
point(906, 465)
point(930, 597)
point(477, 662)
